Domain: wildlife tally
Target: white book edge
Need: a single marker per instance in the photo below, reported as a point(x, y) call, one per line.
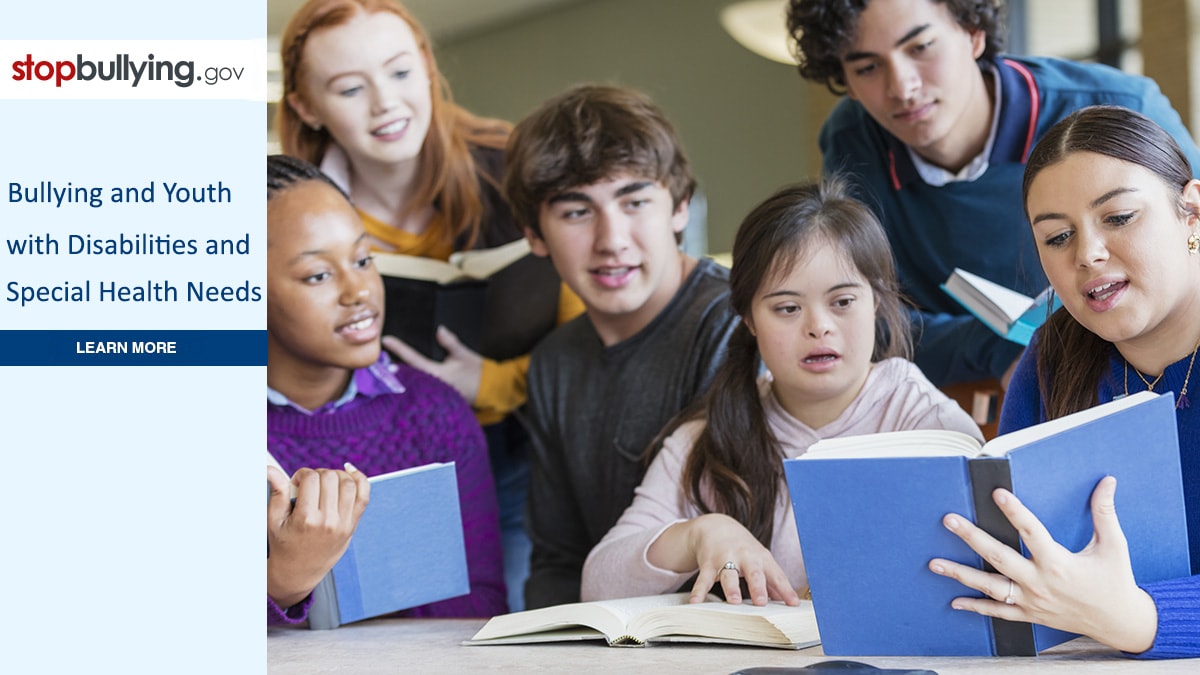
point(947, 443)
point(997, 303)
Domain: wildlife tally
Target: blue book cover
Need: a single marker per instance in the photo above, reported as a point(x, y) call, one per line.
point(408, 550)
point(869, 525)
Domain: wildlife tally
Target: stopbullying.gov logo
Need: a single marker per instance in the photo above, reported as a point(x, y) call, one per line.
point(121, 68)
point(223, 69)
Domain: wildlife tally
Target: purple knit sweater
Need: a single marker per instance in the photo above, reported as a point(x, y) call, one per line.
point(428, 422)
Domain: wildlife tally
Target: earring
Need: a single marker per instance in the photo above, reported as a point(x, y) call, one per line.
point(1194, 243)
point(316, 126)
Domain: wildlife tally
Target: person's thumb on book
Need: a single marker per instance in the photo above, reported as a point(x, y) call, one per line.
point(279, 501)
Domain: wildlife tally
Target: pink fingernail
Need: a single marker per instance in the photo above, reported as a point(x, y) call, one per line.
point(938, 569)
point(952, 523)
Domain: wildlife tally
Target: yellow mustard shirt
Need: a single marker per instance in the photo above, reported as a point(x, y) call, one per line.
point(502, 383)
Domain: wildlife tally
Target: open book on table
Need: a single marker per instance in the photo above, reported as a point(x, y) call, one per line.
point(869, 515)
point(408, 549)
point(498, 301)
point(657, 618)
point(1012, 315)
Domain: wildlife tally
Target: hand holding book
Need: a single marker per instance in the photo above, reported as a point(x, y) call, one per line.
point(868, 562)
point(310, 520)
point(1055, 587)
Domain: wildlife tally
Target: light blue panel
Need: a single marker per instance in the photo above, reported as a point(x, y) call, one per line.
point(133, 495)
point(134, 20)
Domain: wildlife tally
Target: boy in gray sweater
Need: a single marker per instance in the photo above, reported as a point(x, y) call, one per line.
point(597, 179)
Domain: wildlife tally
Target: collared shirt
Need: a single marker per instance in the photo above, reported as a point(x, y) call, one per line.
point(377, 379)
point(936, 176)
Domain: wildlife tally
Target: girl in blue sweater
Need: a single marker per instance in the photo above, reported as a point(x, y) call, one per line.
point(1115, 214)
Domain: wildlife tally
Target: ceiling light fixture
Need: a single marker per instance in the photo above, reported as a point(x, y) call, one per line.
point(761, 27)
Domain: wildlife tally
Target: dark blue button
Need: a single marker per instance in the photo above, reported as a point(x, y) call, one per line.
point(133, 348)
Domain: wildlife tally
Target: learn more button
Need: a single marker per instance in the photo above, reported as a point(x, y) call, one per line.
point(133, 348)
point(127, 347)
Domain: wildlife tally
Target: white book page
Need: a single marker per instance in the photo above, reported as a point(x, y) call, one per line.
point(406, 472)
point(1008, 302)
point(1002, 445)
point(415, 267)
point(481, 264)
point(912, 443)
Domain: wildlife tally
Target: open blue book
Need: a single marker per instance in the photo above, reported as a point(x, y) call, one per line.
point(408, 550)
point(1014, 316)
point(869, 514)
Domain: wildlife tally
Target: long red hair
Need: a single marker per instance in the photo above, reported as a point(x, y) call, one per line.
point(447, 176)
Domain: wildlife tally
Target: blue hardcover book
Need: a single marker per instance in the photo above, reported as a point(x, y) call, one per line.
point(407, 551)
point(868, 511)
point(1012, 315)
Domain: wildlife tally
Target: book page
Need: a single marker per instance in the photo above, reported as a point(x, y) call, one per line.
point(1001, 445)
point(773, 624)
point(482, 263)
point(416, 267)
point(992, 302)
point(911, 443)
point(537, 621)
point(407, 472)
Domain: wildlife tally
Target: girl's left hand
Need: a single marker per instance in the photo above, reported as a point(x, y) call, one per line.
point(461, 369)
point(1092, 592)
point(716, 540)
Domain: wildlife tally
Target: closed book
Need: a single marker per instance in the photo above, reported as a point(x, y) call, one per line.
point(407, 551)
point(637, 622)
point(869, 515)
point(498, 301)
point(1012, 315)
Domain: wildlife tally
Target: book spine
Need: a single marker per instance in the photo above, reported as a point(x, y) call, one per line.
point(1011, 638)
point(323, 613)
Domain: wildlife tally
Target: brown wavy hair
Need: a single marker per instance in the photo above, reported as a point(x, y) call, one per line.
point(1071, 359)
point(586, 134)
point(448, 178)
point(736, 455)
point(823, 30)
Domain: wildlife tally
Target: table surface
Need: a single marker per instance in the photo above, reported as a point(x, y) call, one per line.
point(435, 646)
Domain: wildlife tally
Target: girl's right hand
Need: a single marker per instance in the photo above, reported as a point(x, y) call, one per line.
point(714, 539)
point(306, 539)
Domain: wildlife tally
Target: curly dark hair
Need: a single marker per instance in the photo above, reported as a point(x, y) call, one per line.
point(824, 28)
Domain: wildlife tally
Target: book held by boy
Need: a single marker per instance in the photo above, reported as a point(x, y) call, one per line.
point(869, 515)
point(408, 550)
point(498, 301)
point(637, 622)
point(1012, 315)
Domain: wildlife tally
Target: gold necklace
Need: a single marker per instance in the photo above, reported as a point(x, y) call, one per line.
point(1183, 399)
point(1149, 385)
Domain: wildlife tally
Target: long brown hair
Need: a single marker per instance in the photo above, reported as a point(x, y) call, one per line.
point(1071, 359)
point(448, 175)
point(736, 456)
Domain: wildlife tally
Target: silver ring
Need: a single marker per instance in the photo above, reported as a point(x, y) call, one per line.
point(730, 566)
point(1008, 599)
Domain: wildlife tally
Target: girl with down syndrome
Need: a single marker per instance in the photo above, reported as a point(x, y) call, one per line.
point(814, 283)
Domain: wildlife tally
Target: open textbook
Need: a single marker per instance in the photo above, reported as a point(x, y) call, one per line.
point(1012, 315)
point(869, 515)
point(497, 301)
point(657, 618)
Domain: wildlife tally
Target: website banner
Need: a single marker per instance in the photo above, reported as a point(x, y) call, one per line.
point(133, 336)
